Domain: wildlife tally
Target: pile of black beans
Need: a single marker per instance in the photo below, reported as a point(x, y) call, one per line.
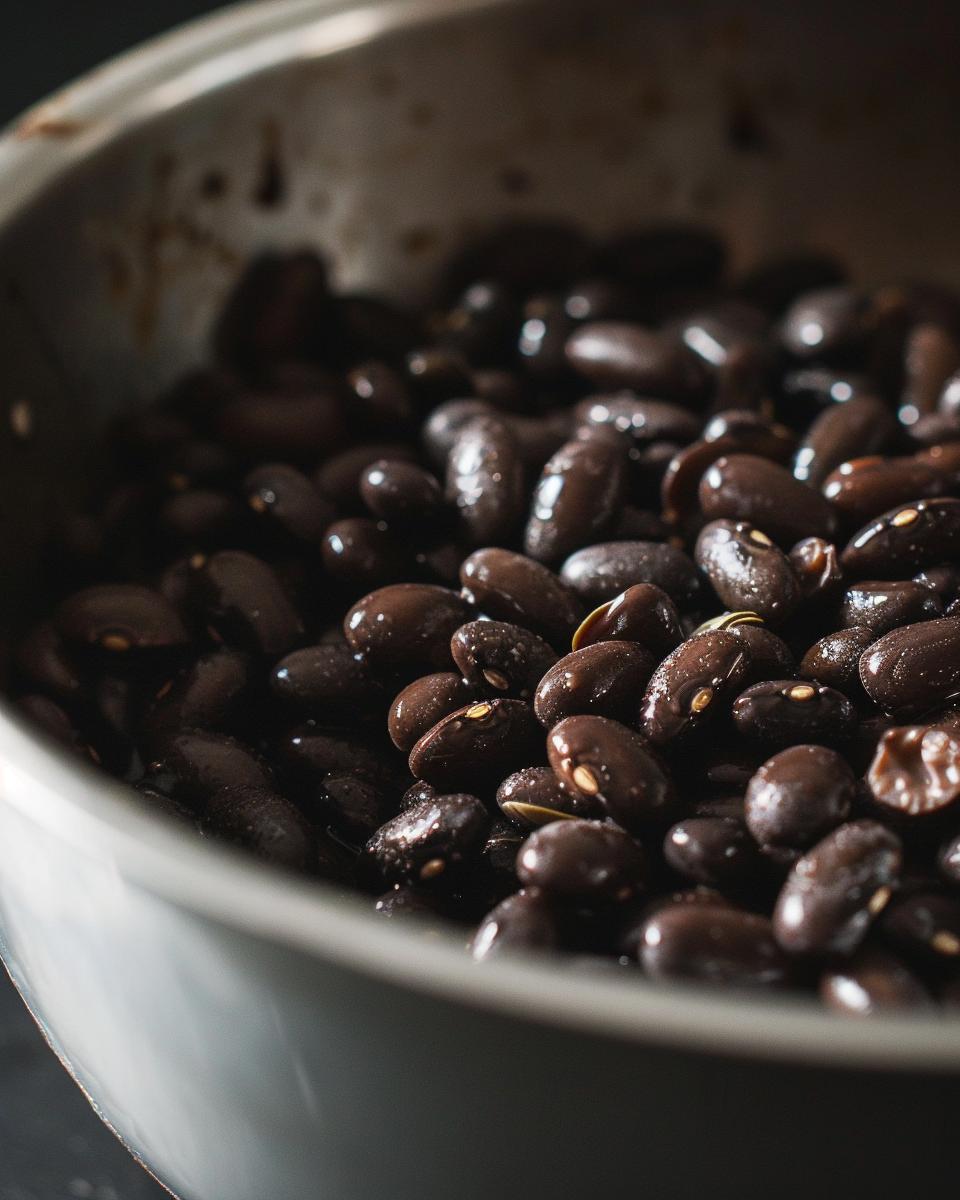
point(609, 605)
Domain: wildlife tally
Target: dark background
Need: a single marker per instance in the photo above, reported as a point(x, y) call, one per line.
point(52, 1147)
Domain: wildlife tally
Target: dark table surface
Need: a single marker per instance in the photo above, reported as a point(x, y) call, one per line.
point(52, 1145)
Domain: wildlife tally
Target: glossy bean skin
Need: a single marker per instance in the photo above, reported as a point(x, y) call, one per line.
point(582, 860)
point(309, 753)
point(924, 926)
point(360, 553)
point(264, 823)
point(435, 374)
point(835, 659)
point(713, 945)
point(746, 570)
point(337, 479)
point(914, 668)
point(381, 403)
point(601, 572)
point(213, 694)
point(512, 587)
point(816, 564)
point(117, 618)
point(606, 679)
point(242, 597)
point(524, 921)
point(916, 770)
point(744, 487)
point(429, 841)
point(770, 656)
point(643, 614)
point(679, 487)
point(642, 420)
point(823, 323)
point(948, 860)
point(863, 425)
point(352, 805)
point(498, 657)
point(692, 684)
point(799, 796)
point(715, 851)
point(401, 493)
point(602, 759)
point(421, 704)
point(883, 605)
point(405, 627)
point(288, 504)
point(862, 488)
point(904, 540)
point(871, 983)
point(575, 500)
point(785, 712)
point(931, 355)
point(444, 425)
point(751, 433)
point(317, 681)
point(835, 891)
point(202, 764)
point(485, 481)
point(616, 354)
point(482, 743)
point(534, 796)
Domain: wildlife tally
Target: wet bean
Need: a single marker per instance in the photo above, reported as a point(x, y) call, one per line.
point(511, 587)
point(287, 504)
point(692, 684)
point(862, 488)
point(482, 743)
point(715, 945)
point(578, 495)
point(202, 764)
point(642, 419)
point(619, 354)
point(405, 627)
point(644, 614)
point(863, 425)
point(716, 851)
point(423, 703)
point(264, 823)
point(243, 600)
point(582, 860)
point(823, 324)
point(428, 842)
point(601, 572)
point(117, 618)
point(914, 668)
point(534, 796)
point(746, 570)
point(883, 605)
point(524, 921)
point(506, 658)
point(381, 404)
point(799, 796)
point(785, 712)
point(605, 680)
point(904, 540)
point(916, 770)
point(835, 660)
point(401, 493)
point(360, 554)
point(485, 481)
point(319, 681)
point(338, 478)
point(871, 983)
point(744, 487)
point(816, 564)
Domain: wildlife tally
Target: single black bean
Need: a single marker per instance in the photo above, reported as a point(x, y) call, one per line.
point(746, 570)
point(481, 323)
point(924, 926)
point(863, 425)
point(605, 680)
point(799, 796)
point(582, 860)
point(835, 660)
point(309, 754)
point(599, 298)
point(485, 481)
point(823, 324)
point(916, 770)
point(619, 354)
point(692, 684)
point(445, 424)
point(511, 587)
point(601, 758)
point(913, 668)
point(872, 982)
point(214, 694)
point(835, 891)
point(745, 487)
point(680, 485)
point(120, 617)
point(243, 599)
point(429, 841)
point(643, 420)
point(288, 504)
point(263, 822)
point(544, 330)
point(353, 805)
point(200, 517)
point(578, 495)
point(381, 404)
point(360, 553)
point(338, 478)
point(417, 791)
point(599, 573)
point(202, 764)
point(482, 743)
point(524, 921)
point(534, 796)
point(752, 433)
point(401, 493)
point(423, 703)
point(770, 656)
point(319, 681)
point(405, 627)
point(861, 489)
point(904, 540)
point(787, 712)
point(931, 355)
point(498, 655)
point(711, 850)
point(882, 605)
point(644, 613)
point(816, 564)
point(712, 944)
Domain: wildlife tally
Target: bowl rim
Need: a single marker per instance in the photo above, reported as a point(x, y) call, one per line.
point(75, 802)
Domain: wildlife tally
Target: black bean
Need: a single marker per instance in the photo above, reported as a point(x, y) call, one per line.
point(752, 433)
point(948, 859)
point(318, 681)
point(202, 764)
point(578, 495)
point(214, 694)
point(835, 660)
point(834, 892)
point(511, 587)
point(716, 851)
point(584, 860)
point(120, 617)
point(787, 712)
point(799, 796)
point(883, 605)
point(943, 581)
point(822, 324)
point(429, 841)
point(746, 570)
point(862, 488)
point(405, 627)
point(599, 573)
point(679, 487)
point(644, 420)
point(692, 684)
point(481, 323)
point(445, 424)
point(816, 564)
point(524, 921)
point(605, 680)
point(263, 822)
point(243, 599)
point(506, 658)
point(716, 945)
point(905, 540)
point(915, 667)
point(872, 982)
point(200, 517)
point(43, 662)
point(435, 374)
point(420, 790)
point(916, 770)
point(353, 805)
point(863, 425)
point(543, 337)
point(309, 754)
point(423, 703)
point(338, 478)
point(54, 722)
point(360, 553)
point(931, 355)
point(288, 504)
point(291, 428)
point(481, 742)
point(620, 354)
point(643, 613)
point(534, 796)
point(744, 487)
point(381, 404)
point(601, 758)
point(401, 493)
point(485, 481)
point(924, 926)
point(770, 656)
point(600, 298)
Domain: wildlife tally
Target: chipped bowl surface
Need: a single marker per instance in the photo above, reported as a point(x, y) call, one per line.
point(249, 1036)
